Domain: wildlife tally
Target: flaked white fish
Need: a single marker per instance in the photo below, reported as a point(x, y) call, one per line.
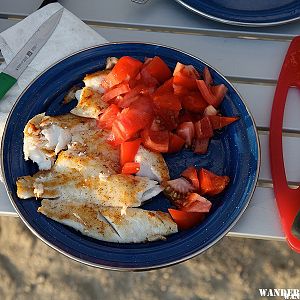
point(108, 224)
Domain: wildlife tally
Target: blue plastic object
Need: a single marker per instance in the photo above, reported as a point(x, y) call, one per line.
point(233, 151)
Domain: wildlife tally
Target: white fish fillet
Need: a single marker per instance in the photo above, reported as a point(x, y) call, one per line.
point(108, 224)
point(89, 104)
point(152, 165)
point(94, 80)
point(113, 190)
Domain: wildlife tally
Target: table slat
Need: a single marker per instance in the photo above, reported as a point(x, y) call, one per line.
point(155, 14)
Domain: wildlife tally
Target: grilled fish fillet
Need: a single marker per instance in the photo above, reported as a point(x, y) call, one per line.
point(107, 223)
point(85, 147)
point(89, 103)
point(94, 80)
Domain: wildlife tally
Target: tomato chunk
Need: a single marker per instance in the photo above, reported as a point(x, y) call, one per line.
point(157, 141)
point(212, 95)
point(203, 128)
point(125, 69)
point(207, 77)
point(212, 184)
point(120, 89)
point(158, 69)
point(219, 122)
point(184, 81)
point(186, 131)
point(108, 117)
point(128, 151)
point(194, 102)
point(200, 146)
point(186, 70)
point(165, 88)
point(191, 174)
point(130, 168)
point(186, 220)
point(175, 143)
point(196, 203)
point(167, 101)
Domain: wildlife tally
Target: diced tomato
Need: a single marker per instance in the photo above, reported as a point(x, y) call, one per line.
point(219, 91)
point(157, 124)
point(115, 91)
point(184, 81)
point(167, 101)
point(196, 203)
point(157, 141)
point(175, 143)
point(191, 174)
point(186, 220)
point(194, 102)
point(108, 117)
point(186, 131)
point(212, 95)
point(158, 69)
point(130, 168)
point(210, 111)
point(200, 146)
point(165, 88)
point(134, 95)
point(186, 70)
point(212, 184)
point(129, 122)
point(125, 69)
point(180, 90)
point(203, 128)
point(207, 77)
point(185, 116)
point(147, 79)
point(218, 122)
point(128, 151)
point(168, 117)
point(180, 186)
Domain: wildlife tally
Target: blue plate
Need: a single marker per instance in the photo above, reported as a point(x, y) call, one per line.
point(246, 13)
point(234, 152)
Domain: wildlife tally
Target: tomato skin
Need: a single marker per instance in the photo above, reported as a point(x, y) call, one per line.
point(125, 69)
point(165, 88)
point(212, 184)
point(106, 120)
point(207, 77)
point(186, 70)
point(219, 122)
point(203, 128)
point(175, 143)
point(186, 220)
point(167, 101)
point(196, 203)
point(194, 102)
point(191, 174)
point(115, 91)
point(128, 151)
point(130, 168)
point(158, 69)
point(157, 141)
point(134, 94)
point(184, 81)
point(186, 131)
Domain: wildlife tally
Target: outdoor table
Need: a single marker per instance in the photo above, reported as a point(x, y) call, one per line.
point(250, 58)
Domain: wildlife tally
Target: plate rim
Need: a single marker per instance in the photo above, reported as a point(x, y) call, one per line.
point(235, 23)
point(143, 268)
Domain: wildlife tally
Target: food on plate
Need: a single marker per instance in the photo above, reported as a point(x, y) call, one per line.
point(187, 194)
point(102, 160)
point(107, 223)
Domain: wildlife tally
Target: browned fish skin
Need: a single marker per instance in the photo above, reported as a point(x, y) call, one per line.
point(107, 223)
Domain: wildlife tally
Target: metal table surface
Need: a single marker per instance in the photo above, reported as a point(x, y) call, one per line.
point(250, 58)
